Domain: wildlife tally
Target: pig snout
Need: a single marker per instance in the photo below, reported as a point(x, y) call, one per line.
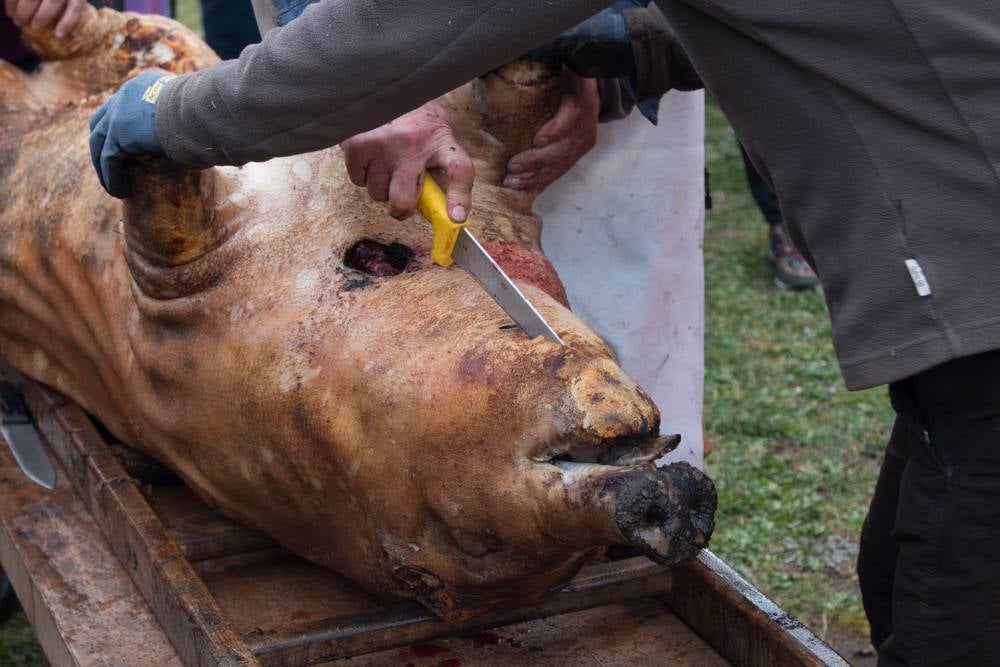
point(666, 513)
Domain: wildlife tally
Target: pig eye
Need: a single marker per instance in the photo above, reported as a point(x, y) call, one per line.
point(378, 259)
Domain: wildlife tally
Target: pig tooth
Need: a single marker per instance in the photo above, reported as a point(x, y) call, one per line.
point(573, 471)
point(644, 451)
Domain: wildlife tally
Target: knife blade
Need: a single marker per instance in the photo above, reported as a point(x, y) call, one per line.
point(453, 242)
point(22, 439)
point(472, 257)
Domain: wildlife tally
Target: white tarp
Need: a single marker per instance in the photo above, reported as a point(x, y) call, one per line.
point(624, 229)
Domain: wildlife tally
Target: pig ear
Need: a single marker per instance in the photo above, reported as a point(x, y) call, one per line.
point(169, 222)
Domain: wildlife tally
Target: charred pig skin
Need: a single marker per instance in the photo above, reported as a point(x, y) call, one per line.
point(289, 349)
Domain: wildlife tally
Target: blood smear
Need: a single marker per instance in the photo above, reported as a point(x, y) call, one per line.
point(427, 650)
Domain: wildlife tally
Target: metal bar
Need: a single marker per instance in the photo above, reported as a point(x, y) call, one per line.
point(188, 613)
point(357, 634)
point(738, 620)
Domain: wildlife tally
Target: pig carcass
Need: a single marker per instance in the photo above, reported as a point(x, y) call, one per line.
point(290, 350)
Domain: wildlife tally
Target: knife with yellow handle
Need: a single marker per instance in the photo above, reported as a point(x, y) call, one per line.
point(453, 243)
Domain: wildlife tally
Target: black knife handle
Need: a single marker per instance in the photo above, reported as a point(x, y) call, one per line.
point(14, 411)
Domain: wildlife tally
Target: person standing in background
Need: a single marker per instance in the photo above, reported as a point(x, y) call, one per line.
point(229, 26)
point(791, 270)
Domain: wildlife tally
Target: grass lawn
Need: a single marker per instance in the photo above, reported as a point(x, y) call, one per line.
point(795, 455)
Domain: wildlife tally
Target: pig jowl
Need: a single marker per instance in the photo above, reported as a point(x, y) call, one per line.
point(290, 350)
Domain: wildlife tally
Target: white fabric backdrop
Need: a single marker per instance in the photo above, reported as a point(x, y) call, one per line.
point(624, 229)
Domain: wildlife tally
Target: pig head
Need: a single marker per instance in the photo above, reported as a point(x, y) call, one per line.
point(290, 350)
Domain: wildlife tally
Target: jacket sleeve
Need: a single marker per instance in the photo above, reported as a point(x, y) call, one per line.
point(344, 67)
point(660, 63)
point(660, 66)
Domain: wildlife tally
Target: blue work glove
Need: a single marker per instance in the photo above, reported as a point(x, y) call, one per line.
point(125, 127)
point(598, 48)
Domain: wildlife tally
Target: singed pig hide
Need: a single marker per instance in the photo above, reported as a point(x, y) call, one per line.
point(290, 350)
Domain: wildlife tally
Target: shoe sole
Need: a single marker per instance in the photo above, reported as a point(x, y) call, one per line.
point(812, 284)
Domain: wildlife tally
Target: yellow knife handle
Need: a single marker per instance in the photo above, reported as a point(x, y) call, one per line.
point(434, 206)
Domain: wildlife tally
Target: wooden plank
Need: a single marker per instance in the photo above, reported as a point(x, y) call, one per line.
point(200, 531)
point(367, 632)
point(641, 633)
point(742, 623)
point(189, 615)
point(218, 568)
point(83, 607)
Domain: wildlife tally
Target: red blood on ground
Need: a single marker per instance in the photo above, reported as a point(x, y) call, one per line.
point(427, 650)
point(299, 614)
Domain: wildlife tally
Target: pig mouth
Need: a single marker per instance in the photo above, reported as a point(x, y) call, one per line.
point(575, 460)
point(665, 513)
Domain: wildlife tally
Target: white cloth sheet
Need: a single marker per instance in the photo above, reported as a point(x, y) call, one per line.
point(624, 229)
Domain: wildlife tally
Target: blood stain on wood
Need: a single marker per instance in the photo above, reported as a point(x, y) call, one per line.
point(427, 650)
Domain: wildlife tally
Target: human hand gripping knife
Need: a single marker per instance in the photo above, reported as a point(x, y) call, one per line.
point(453, 243)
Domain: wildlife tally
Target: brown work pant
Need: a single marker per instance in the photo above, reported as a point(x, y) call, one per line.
point(929, 564)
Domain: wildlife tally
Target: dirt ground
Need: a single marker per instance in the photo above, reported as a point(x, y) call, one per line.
point(855, 648)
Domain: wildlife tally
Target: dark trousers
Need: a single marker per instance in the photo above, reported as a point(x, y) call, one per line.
point(929, 564)
point(767, 200)
point(229, 26)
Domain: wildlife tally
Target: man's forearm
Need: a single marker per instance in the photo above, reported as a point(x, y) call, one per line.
point(344, 67)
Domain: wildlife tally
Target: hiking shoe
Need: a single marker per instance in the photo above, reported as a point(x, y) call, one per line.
point(791, 271)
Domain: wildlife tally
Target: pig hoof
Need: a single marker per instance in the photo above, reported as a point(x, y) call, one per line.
point(667, 513)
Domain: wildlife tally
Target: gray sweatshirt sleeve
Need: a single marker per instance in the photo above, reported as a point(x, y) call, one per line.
point(344, 67)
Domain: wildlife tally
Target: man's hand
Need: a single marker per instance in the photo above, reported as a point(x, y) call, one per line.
point(567, 137)
point(42, 14)
point(390, 162)
point(125, 127)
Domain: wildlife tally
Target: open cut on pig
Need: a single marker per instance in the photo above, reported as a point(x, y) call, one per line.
point(290, 350)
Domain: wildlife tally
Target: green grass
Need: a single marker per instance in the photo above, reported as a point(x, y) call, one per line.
point(796, 455)
point(189, 13)
point(18, 646)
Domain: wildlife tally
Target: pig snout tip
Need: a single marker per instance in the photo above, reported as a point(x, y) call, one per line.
point(667, 514)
